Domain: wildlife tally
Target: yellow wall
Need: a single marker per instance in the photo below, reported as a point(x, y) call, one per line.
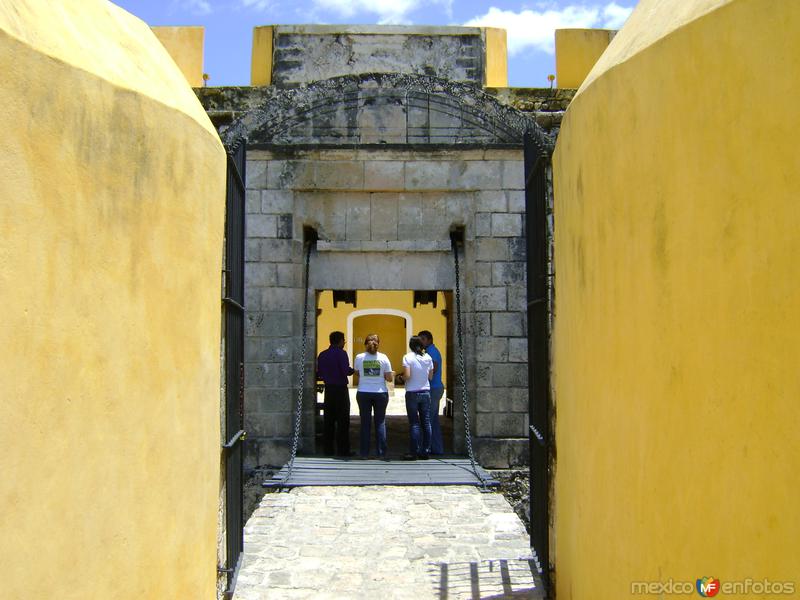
point(391, 331)
point(185, 46)
point(261, 59)
point(677, 180)
point(496, 57)
point(577, 50)
point(111, 216)
point(424, 316)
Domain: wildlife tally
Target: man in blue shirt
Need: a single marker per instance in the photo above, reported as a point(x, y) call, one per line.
point(333, 368)
point(437, 390)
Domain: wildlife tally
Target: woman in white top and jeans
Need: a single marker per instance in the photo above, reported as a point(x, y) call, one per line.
point(374, 370)
point(417, 373)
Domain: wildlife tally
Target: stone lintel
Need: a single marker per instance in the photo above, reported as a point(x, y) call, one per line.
point(385, 246)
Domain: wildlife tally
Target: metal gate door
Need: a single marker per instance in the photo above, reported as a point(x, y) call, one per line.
point(536, 225)
point(233, 303)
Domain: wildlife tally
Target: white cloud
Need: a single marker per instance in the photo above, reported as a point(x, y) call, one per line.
point(257, 4)
point(196, 7)
point(535, 29)
point(387, 11)
point(615, 15)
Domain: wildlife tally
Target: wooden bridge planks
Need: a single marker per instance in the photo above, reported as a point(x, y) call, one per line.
point(320, 471)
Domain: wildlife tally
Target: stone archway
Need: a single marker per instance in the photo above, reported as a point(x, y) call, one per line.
point(384, 109)
point(384, 168)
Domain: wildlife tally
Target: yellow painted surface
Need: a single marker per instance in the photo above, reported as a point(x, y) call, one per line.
point(496, 57)
point(577, 51)
point(261, 60)
point(111, 216)
point(185, 46)
point(676, 336)
point(424, 316)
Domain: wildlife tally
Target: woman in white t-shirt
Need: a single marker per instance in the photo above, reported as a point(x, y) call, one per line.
point(417, 373)
point(374, 370)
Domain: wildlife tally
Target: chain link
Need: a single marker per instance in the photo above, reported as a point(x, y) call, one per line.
point(299, 408)
point(462, 371)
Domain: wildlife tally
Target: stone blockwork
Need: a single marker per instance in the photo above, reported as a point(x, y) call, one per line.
point(545, 106)
point(306, 53)
point(383, 218)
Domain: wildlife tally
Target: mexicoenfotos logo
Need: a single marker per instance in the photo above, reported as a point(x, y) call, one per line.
point(708, 587)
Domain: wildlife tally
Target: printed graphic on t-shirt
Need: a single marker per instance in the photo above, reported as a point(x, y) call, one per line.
point(372, 368)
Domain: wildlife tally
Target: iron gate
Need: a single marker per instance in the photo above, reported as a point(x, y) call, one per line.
point(233, 303)
point(536, 225)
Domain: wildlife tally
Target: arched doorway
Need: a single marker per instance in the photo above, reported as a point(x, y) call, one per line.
point(395, 315)
point(392, 325)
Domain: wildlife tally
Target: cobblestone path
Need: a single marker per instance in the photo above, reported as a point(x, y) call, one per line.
point(385, 542)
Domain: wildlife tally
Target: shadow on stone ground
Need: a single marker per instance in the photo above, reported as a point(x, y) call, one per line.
point(514, 485)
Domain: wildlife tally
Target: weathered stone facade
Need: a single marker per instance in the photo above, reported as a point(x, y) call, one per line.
point(384, 220)
point(382, 168)
point(306, 53)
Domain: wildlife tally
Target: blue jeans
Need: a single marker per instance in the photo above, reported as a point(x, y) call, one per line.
point(437, 444)
point(369, 403)
point(418, 408)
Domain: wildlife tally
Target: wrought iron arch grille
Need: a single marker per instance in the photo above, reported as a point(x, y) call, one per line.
point(429, 119)
point(435, 112)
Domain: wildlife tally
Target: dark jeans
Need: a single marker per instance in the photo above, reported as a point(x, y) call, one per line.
point(437, 443)
point(336, 420)
point(418, 408)
point(370, 403)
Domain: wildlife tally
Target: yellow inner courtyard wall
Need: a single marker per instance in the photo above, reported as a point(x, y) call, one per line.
point(496, 57)
point(261, 59)
point(111, 224)
point(577, 50)
point(391, 332)
point(675, 346)
point(424, 316)
point(185, 46)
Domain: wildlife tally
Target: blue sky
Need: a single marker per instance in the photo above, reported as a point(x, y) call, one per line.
point(530, 25)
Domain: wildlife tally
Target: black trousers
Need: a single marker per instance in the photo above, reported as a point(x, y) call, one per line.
point(336, 420)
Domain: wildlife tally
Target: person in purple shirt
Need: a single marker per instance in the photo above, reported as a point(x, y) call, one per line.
point(333, 368)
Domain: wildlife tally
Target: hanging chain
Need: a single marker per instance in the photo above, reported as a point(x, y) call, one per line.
point(299, 409)
point(462, 372)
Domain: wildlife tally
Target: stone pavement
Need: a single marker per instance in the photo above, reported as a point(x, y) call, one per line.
point(385, 542)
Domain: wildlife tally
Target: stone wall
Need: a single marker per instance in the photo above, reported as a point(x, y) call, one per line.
point(306, 53)
point(384, 219)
